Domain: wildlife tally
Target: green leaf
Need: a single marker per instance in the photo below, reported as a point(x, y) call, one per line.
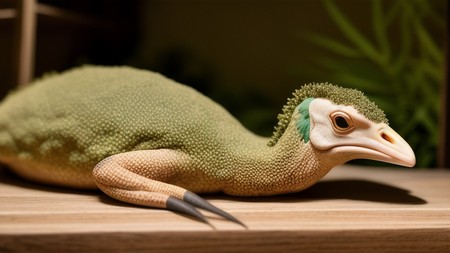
point(428, 43)
point(335, 46)
point(379, 27)
point(363, 84)
point(406, 44)
point(351, 32)
point(434, 71)
point(392, 13)
point(361, 68)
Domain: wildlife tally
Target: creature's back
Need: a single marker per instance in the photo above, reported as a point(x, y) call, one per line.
point(70, 122)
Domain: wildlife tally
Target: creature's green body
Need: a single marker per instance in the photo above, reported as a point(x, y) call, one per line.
point(60, 128)
point(57, 131)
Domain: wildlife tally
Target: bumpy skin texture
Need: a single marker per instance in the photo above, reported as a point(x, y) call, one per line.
point(147, 140)
point(57, 130)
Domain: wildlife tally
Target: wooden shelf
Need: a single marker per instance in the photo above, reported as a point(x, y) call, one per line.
point(354, 209)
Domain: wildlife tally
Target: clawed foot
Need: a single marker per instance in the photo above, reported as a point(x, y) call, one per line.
point(120, 176)
point(190, 201)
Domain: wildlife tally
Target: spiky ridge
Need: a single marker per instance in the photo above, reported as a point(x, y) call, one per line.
point(337, 95)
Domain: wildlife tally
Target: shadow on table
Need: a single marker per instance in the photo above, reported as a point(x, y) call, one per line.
point(10, 178)
point(351, 189)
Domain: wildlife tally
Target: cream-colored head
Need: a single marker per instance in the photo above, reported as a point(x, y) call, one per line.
point(344, 132)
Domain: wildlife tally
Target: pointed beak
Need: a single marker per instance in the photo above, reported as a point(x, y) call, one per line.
point(383, 144)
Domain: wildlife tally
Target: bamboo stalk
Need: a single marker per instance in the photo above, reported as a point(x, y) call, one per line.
point(25, 40)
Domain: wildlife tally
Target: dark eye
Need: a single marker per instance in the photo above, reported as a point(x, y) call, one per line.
point(342, 122)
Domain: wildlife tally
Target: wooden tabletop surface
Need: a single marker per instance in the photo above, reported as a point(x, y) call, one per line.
point(359, 209)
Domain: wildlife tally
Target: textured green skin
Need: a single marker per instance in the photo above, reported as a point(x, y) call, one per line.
point(58, 129)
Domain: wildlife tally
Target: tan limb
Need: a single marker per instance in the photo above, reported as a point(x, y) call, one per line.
point(134, 177)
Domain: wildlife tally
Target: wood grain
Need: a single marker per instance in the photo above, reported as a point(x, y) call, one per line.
point(353, 209)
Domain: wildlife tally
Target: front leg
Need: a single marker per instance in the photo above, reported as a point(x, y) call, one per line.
point(139, 177)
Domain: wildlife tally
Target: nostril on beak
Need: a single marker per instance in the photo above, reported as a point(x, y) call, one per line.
point(387, 138)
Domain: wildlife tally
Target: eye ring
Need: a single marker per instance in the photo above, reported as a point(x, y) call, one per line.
point(342, 123)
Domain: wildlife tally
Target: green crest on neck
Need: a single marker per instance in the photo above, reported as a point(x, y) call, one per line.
point(303, 123)
point(336, 94)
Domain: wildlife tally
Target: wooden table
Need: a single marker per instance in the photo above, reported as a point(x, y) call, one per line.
point(353, 209)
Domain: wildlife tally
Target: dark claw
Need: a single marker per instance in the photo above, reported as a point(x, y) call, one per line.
point(178, 205)
point(199, 202)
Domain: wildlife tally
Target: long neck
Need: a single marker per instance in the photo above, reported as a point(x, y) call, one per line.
point(289, 166)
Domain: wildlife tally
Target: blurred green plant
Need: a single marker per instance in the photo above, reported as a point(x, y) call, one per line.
point(401, 73)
